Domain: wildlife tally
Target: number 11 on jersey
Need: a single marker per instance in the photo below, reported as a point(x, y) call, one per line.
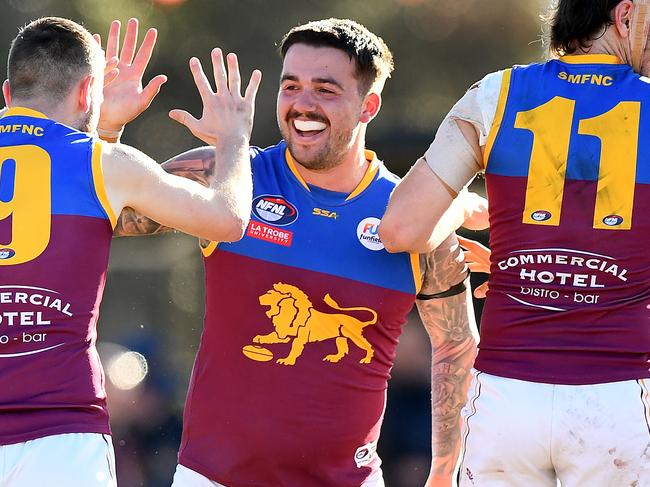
point(618, 131)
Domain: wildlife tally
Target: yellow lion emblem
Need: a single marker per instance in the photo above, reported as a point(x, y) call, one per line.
point(295, 320)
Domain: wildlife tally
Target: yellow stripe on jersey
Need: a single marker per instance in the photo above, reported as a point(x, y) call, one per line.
point(98, 180)
point(591, 59)
point(373, 167)
point(23, 112)
point(417, 272)
point(208, 249)
point(292, 166)
point(498, 116)
point(368, 177)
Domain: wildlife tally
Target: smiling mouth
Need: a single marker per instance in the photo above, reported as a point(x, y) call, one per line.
point(308, 128)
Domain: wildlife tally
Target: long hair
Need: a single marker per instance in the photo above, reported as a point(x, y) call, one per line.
point(574, 24)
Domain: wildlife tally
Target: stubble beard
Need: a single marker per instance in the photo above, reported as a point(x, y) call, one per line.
point(327, 157)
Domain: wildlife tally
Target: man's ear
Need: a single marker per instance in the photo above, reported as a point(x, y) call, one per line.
point(85, 92)
point(6, 91)
point(622, 16)
point(371, 106)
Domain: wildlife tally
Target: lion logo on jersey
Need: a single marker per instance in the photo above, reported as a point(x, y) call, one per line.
point(295, 320)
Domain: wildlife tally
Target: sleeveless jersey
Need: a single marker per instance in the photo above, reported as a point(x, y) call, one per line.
point(568, 180)
point(55, 234)
point(302, 320)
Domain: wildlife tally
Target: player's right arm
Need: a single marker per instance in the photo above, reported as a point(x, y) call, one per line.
point(217, 212)
point(195, 164)
point(424, 207)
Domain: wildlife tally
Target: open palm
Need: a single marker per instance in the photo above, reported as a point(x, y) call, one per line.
point(125, 97)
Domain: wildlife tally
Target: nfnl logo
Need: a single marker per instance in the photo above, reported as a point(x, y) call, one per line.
point(540, 215)
point(7, 253)
point(367, 233)
point(612, 220)
point(275, 210)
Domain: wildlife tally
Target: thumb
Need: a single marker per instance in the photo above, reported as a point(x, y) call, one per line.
point(184, 118)
point(152, 89)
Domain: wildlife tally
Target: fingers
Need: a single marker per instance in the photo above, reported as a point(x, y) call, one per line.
point(152, 89)
point(253, 86)
point(468, 243)
point(234, 79)
point(481, 291)
point(110, 65)
point(200, 80)
point(113, 41)
point(219, 70)
point(184, 118)
point(98, 39)
point(130, 41)
point(110, 76)
point(143, 56)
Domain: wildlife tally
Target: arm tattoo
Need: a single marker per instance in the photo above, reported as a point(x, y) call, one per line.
point(196, 164)
point(450, 326)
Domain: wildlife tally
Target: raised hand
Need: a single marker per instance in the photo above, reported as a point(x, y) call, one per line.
point(226, 113)
point(124, 96)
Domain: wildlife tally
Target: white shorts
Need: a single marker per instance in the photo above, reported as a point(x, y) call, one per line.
point(70, 460)
point(519, 433)
point(184, 477)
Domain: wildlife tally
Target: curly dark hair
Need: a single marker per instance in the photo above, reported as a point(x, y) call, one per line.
point(575, 23)
point(373, 59)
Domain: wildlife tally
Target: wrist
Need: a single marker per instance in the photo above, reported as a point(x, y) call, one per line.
point(109, 134)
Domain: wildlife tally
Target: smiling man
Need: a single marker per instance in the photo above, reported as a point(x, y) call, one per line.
point(303, 316)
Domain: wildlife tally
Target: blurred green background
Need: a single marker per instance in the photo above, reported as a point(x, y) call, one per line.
point(151, 317)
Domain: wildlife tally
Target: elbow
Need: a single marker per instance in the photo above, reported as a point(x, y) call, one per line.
point(228, 231)
point(396, 238)
point(236, 229)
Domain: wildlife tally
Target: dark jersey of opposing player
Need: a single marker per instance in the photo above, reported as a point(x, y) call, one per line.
point(568, 179)
point(55, 234)
point(302, 320)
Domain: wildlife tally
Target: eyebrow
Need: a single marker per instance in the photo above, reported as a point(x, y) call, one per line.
point(328, 81)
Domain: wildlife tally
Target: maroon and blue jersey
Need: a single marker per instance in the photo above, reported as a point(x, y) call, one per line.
point(302, 320)
point(55, 232)
point(568, 180)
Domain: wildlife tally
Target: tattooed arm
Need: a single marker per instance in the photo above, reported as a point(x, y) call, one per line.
point(444, 305)
point(196, 164)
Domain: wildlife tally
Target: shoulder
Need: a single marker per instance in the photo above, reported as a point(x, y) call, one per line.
point(273, 154)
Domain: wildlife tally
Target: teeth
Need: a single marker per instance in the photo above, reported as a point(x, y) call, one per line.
point(308, 125)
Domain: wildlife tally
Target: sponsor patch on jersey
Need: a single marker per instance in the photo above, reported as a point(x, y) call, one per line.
point(540, 215)
point(613, 220)
point(268, 233)
point(365, 454)
point(326, 213)
point(7, 253)
point(274, 210)
point(368, 233)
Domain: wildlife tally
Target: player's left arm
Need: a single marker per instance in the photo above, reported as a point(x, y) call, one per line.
point(444, 304)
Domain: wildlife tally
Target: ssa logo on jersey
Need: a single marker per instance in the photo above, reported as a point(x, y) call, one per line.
point(275, 210)
point(368, 233)
point(7, 253)
point(540, 215)
point(612, 220)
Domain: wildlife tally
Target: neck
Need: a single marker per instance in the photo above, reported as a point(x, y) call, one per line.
point(612, 44)
point(57, 113)
point(345, 176)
